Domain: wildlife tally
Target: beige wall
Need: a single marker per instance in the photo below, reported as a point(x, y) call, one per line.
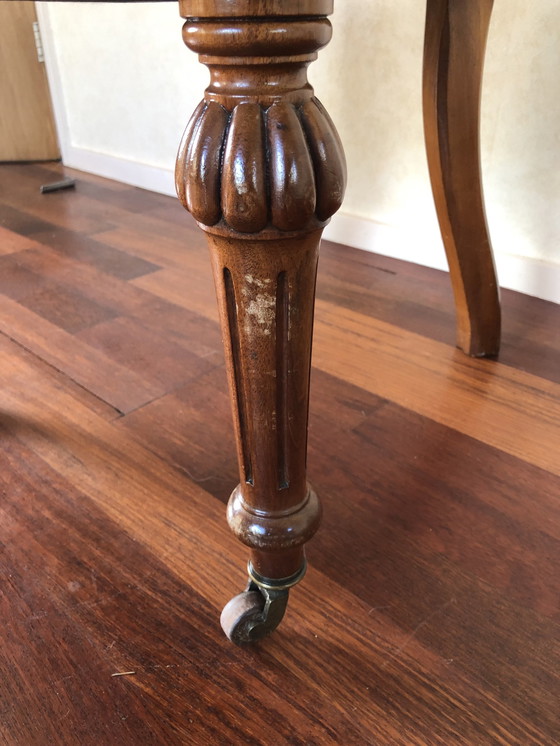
point(379, 117)
point(126, 85)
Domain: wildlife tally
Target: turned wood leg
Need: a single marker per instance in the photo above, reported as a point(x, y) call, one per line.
point(455, 41)
point(261, 169)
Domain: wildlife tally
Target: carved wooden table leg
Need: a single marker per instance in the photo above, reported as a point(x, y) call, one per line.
point(455, 42)
point(261, 169)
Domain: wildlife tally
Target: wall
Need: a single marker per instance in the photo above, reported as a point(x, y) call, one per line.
point(124, 86)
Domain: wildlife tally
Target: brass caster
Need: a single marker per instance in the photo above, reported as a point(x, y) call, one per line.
point(257, 611)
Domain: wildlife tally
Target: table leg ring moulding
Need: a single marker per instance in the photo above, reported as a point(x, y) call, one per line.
point(262, 170)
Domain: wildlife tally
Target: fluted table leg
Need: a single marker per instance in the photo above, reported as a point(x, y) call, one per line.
point(261, 169)
point(455, 42)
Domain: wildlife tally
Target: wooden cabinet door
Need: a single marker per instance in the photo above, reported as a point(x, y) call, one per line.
point(27, 129)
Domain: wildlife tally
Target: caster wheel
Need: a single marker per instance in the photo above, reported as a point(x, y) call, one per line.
point(241, 615)
point(252, 615)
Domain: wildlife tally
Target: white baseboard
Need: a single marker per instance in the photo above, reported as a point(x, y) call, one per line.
point(521, 273)
point(387, 240)
point(152, 178)
point(530, 276)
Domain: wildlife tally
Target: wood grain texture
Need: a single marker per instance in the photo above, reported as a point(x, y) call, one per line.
point(27, 128)
point(430, 611)
point(454, 47)
point(225, 8)
point(432, 380)
point(244, 202)
point(261, 169)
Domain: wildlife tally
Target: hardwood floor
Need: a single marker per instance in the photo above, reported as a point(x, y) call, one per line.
point(430, 611)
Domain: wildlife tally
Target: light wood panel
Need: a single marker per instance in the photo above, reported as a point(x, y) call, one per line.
point(454, 46)
point(27, 129)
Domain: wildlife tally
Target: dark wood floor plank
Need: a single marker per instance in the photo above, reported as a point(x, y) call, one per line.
point(25, 271)
point(106, 259)
point(68, 207)
point(160, 362)
point(422, 524)
point(65, 307)
point(345, 411)
point(430, 611)
point(20, 221)
point(120, 610)
point(190, 429)
point(11, 242)
point(132, 199)
point(167, 244)
point(420, 300)
point(45, 171)
point(33, 373)
point(475, 517)
point(187, 535)
point(503, 407)
point(182, 327)
point(195, 294)
point(119, 387)
point(426, 526)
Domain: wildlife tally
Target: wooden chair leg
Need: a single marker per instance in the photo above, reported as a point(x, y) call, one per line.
point(455, 42)
point(261, 169)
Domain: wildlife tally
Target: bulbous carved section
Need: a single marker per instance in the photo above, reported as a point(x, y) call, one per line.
point(279, 168)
